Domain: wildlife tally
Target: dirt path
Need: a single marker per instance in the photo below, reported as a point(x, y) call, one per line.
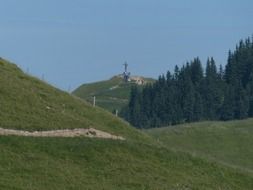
point(90, 132)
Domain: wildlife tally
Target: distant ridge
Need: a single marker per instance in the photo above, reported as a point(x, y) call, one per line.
point(112, 94)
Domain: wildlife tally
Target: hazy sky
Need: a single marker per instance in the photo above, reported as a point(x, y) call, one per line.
point(72, 42)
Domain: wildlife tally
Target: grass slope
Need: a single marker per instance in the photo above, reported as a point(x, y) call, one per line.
point(82, 163)
point(29, 163)
point(30, 104)
point(229, 143)
point(110, 94)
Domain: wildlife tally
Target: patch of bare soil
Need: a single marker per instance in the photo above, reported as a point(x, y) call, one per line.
point(90, 132)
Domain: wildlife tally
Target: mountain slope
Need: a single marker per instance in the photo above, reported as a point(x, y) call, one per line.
point(39, 163)
point(229, 143)
point(112, 94)
point(30, 104)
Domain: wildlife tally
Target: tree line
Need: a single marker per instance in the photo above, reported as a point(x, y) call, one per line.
point(192, 93)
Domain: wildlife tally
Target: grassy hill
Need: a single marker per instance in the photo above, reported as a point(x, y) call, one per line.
point(139, 162)
point(229, 143)
point(112, 94)
point(30, 104)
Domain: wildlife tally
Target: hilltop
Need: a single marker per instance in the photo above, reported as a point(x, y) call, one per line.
point(112, 94)
point(138, 162)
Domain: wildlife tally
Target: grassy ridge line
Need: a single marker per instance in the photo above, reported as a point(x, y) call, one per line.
point(110, 94)
point(30, 104)
point(81, 163)
point(229, 143)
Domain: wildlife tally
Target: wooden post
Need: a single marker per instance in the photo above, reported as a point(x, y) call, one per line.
point(94, 101)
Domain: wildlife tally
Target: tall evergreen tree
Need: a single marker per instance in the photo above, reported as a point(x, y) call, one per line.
point(135, 107)
point(241, 102)
point(228, 107)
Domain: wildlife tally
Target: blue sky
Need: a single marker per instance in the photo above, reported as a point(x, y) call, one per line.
point(71, 42)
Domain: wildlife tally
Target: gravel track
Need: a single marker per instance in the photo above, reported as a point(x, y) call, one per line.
point(90, 132)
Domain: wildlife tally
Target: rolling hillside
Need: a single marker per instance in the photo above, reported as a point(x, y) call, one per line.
point(45, 163)
point(30, 104)
point(229, 143)
point(112, 94)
